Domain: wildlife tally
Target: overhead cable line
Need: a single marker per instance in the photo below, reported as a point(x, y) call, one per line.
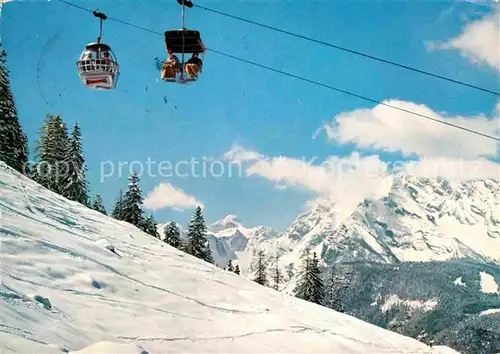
point(356, 95)
point(317, 83)
point(352, 51)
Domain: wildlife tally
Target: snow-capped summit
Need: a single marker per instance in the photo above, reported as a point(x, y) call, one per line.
point(231, 240)
point(228, 222)
point(423, 219)
point(230, 226)
point(323, 216)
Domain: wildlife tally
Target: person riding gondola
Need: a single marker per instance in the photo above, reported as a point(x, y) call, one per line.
point(106, 61)
point(193, 65)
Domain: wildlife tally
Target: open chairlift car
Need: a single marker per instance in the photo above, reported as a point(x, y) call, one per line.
point(97, 66)
point(183, 41)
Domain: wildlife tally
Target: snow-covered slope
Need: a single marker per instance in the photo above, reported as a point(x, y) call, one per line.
point(73, 278)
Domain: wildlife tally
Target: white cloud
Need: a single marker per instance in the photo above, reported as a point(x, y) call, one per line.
point(479, 41)
point(348, 180)
point(238, 154)
point(391, 130)
point(165, 195)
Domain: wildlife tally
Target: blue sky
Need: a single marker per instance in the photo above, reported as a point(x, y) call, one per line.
point(235, 103)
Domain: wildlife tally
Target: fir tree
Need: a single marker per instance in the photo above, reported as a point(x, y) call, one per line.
point(237, 269)
point(75, 184)
point(260, 272)
point(13, 142)
point(97, 204)
point(333, 292)
point(131, 211)
point(117, 211)
point(277, 275)
point(172, 235)
point(25, 155)
point(310, 285)
point(210, 258)
point(197, 245)
point(50, 169)
point(318, 286)
point(337, 289)
point(302, 288)
point(151, 227)
point(229, 266)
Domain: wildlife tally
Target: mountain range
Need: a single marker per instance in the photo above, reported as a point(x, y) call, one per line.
point(411, 219)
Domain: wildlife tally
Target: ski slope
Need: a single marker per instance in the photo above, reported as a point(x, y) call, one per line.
point(75, 280)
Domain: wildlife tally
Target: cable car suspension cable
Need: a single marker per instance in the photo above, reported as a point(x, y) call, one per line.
point(352, 51)
point(356, 95)
point(317, 83)
point(183, 39)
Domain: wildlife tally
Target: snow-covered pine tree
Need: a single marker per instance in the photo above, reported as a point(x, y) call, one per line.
point(210, 258)
point(151, 227)
point(50, 169)
point(75, 185)
point(229, 266)
point(98, 205)
point(302, 288)
point(25, 156)
point(172, 235)
point(237, 269)
point(13, 142)
point(131, 211)
point(197, 245)
point(310, 285)
point(318, 287)
point(276, 275)
point(117, 211)
point(260, 271)
point(334, 291)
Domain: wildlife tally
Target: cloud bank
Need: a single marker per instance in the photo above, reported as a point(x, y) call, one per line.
point(165, 195)
point(479, 41)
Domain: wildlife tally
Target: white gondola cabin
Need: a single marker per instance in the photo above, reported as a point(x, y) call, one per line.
point(98, 67)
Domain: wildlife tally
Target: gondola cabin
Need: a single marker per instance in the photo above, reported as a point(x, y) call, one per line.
point(98, 67)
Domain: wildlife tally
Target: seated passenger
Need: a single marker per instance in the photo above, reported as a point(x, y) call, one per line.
point(193, 65)
point(107, 61)
point(87, 60)
point(170, 66)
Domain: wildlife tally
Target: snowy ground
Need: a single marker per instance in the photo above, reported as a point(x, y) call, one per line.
point(488, 283)
point(62, 288)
